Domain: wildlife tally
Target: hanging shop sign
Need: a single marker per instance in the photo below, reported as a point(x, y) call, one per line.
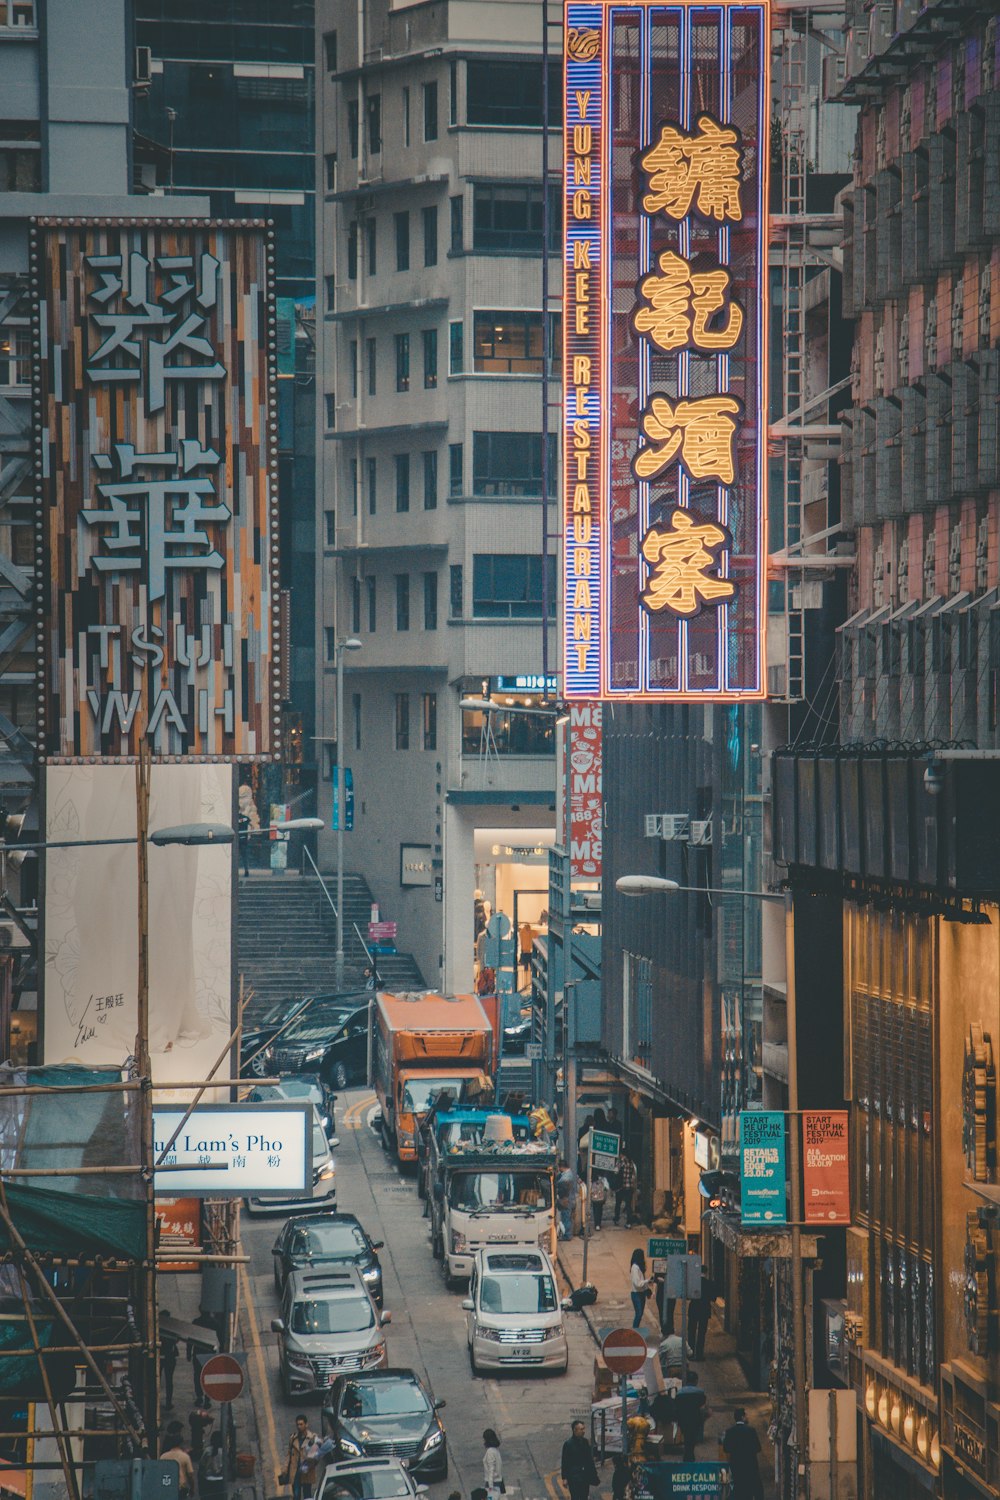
point(665, 264)
point(762, 1167)
point(586, 808)
point(229, 1150)
point(826, 1177)
point(156, 469)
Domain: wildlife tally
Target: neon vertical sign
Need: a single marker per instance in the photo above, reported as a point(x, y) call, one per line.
point(664, 360)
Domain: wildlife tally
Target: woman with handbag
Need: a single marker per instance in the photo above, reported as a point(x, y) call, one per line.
point(492, 1465)
point(639, 1287)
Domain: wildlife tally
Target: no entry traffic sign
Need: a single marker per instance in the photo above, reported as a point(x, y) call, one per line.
point(625, 1351)
point(222, 1377)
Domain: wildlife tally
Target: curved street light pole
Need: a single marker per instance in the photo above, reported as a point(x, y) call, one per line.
point(350, 644)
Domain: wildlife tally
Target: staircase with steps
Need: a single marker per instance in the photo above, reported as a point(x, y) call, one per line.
point(287, 939)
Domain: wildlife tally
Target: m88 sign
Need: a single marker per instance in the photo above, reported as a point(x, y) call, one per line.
point(664, 350)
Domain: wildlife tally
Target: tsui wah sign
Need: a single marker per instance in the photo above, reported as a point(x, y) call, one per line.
point(664, 350)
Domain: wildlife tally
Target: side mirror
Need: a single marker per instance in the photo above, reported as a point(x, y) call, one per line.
point(440, 1405)
point(422, 1489)
point(467, 1304)
point(277, 1325)
point(276, 1248)
point(335, 1140)
point(378, 1244)
point(385, 1318)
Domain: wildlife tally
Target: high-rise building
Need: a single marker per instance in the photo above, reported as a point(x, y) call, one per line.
point(430, 456)
point(228, 99)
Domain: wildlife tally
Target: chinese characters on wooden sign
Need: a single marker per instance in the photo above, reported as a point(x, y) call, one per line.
point(665, 260)
point(157, 481)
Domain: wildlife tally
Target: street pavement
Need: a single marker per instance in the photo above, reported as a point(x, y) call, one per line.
point(532, 1413)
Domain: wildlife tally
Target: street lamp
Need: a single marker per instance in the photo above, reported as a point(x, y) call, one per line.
point(350, 644)
point(640, 885)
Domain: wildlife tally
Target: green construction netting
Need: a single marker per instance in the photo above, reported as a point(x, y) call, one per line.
point(60, 1223)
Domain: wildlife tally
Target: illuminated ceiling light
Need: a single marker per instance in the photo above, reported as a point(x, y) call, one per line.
point(896, 1416)
point(909, 1426)
point(923, 1437)
point(871, 1398)
point(935, 1453)
point(883, 1408)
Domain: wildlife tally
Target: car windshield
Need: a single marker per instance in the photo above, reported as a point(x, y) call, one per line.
point(529, 1293)
point(332, 1315)
point(338, 1241)
point(378, 1484)
point(499, 1190)
point(302, 1088)
point(418, 1093)
point(383, 1398)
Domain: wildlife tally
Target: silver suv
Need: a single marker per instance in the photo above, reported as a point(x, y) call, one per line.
point(329, 1326)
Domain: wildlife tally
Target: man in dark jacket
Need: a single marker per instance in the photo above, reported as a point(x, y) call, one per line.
point(690, 1410)
point(741, 1445)
point(578, 1469)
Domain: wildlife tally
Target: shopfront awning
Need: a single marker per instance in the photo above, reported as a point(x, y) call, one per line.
point(773, 1244)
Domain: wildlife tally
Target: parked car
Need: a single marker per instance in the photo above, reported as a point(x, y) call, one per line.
point(329, 1324)
point(387, 1413)
point(262, 1030)
point(368, 1479)
point(322, 1194)
point(304, 1086)
point(513, 1313)
point(517, 1035)
point(327, 1240)
point(304, 1046)
point(345, 1060)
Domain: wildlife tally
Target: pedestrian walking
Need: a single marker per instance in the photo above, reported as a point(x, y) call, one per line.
point(620, 1476)
point(492, 1465)
point(243, 824)
point(578, 1470)
point(567, 1189)
point(664, 1306)
point(599, 1189)
point(625, 1191)
point(699, 1313)
point(741, 1445)
point(212, 1470)
point(175, 1450)
point(168, 1364)
point(201, 1422)
point(672, 1355)
point(691, 1410)
point(303, 1448)
point(639, 1288)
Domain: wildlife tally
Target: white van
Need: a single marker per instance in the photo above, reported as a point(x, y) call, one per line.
point(321, 1195)
point(513, 1313)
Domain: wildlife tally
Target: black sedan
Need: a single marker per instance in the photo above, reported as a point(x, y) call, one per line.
point(345, 1061)
point(261, 1034)
point(387, 1412)
point(306, 1043)
point(327, 1240)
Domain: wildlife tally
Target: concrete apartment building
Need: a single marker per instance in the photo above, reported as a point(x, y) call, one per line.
point(429, 473)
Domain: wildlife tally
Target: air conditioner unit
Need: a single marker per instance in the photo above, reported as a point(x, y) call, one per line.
point(858, 49)
point(143, 75)
point(882, 28)
point(701, 832)
point(834, 75)
point(653, 825)
point(674, 825)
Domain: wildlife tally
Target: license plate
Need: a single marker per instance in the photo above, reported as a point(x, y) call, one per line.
point(522, 1353)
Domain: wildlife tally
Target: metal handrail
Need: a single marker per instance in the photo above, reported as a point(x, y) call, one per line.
point(308, 853)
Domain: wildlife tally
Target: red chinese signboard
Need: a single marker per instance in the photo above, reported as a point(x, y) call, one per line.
point(179, 1223)
point(585, 801)
point(825, 1167)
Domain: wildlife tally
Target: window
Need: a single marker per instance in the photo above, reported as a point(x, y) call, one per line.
point(430, 342)
point(352, 252)
point(402, 601)
point(402, 461)
point(510, 343)
point(430, 603)
point(374, 113)
point(352, 128)
point(330, 528)
point(638, 998)
point(430, 479)
point(330, 50)
point(453, 93)
point(513, 733)
point(354, 367)
point(456, 591)
point(372, 485)
point(354, 486)
point(331, 409)
point(430, 718)
point(402, 361)
point(509, 464)
point(430, 111)
point(370, 357)
point(508, 585)
point(456, 348)
point(356, 605)
point(455, 465)
point(510, 93)
point(331, 293)
point(370, 235)
point(508, 216)
point(457, 240)
point(402, 721)
point(406, 117)
point(330, 166)
point(356, 706)
point(372, 604)
point(402, 223)
point(430, 218)
point(330, 642)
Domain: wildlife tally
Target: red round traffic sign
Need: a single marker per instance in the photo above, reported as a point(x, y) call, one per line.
point(625, 1351)
point(222, 1377)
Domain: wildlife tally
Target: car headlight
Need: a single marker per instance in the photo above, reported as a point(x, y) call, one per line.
point(551, 1333)
point(459, 1244)
point(371, 1275)
point(434, 1440)
point(327, 1173)
point(347, 1445)
point(491, 1334)
point(544, 1238)
point(375, 1353)
point(299, 1362)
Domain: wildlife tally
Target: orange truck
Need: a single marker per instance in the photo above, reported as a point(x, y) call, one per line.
point(425, 1042)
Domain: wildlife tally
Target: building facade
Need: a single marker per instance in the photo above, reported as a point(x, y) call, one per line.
point(432, 341)
point(226, 95)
